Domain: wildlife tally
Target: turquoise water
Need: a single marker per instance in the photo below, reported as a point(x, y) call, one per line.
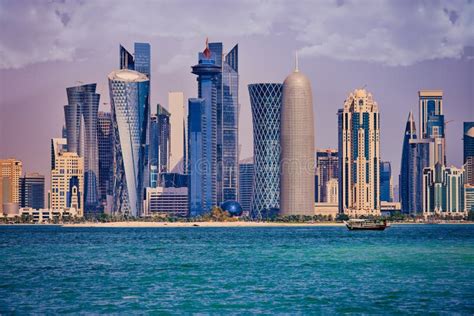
point(405, 269)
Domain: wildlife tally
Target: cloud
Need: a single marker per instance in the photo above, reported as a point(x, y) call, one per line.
point(387, 32)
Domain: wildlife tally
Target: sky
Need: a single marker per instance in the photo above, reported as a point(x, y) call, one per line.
point(392, 48)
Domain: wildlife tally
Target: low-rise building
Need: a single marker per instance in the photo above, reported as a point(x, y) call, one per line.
point(45, 215)
point(162, 201)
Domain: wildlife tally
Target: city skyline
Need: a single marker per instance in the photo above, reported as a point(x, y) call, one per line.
point(394, 83)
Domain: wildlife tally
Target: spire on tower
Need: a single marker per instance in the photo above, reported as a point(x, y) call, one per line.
point(296, 61)
point(207, 51)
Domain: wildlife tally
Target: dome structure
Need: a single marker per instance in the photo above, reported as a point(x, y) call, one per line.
point(232, 207)
point(470, 132)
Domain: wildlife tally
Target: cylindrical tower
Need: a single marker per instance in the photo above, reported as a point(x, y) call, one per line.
point(265, 99)
point(297, 147)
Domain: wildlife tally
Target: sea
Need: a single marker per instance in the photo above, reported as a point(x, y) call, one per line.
point(406, 269)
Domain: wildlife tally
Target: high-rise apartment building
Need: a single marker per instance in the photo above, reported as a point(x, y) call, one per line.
point(32, 191)
point(386, 185)
point(297, 146)
point(443, 191)
point(67, 183)
point(332, 191)
point(81, 129)
point(246, 183)
point(468, 152)
point(265, 100)
point(10, 173)
point(177, 132)
point(226, 84)
point(105, 144)
point(58, 145)
point(327, 168)
point(359, 155)
point(129, 91)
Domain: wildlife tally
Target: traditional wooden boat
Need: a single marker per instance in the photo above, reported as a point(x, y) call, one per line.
point(366, 224)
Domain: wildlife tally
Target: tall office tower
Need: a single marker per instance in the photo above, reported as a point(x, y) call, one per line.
point(359, 155)
point(327, 168)
point(332, 191)
point(32, 191)
point(143, 59)
point(468, 151)
point(10, 172)
point(227, 114)
point(129, 92)
point(164, 132)
point(105, 141)
point(386, 185)
point(443, 191)
point(246, 181)
point(67, 183)
point(408, 172)
point(202, 114)
point(469, 198)
point(141, 62)
point(177, 144)
point(297, 146)
point(265, 99)
point(58, 145)
point(126, 59)
point(81, 126)
point(432, 122)
point(153, 151)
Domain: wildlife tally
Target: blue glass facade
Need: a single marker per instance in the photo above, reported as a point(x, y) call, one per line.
point(468, 151)
point(266, 102)
point(81, 129)
point(197, 203)
point(32, 191)
point(129, 92)
point(386, 181)
point(143, 59)
point(246, 181)
point(227, 113)
point(105, 142)
point(126, 59)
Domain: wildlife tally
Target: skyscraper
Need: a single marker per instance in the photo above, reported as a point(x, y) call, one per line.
point(81, 126)
point(10, 172)
point(468, 151)
point(359, 155)
point(129, 91)
point(164, 133)
point(246, 183)
point(327, 168)
point(32, 191)
point(105, 143)
point(432, 122)
point(203, 147)
point(297, 146)
point(177, 144)
point(408, 169)
point(227, 114)
point(58, 145)
point(201, 195)
point(265, 99)
point(67, 183)
point(443, 191)
point(143, 59)
point(141, 62)
point(386, 186)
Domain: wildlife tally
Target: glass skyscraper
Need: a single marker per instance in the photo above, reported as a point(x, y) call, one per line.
point(386, 188)
point(105, 141)
point(142, 61)
point(246, 179)
point(468, 151)
point(432, 122)
point(81, 129)
point(129, 91)
point(327, 168)
point(227, 116)
point(266, 101)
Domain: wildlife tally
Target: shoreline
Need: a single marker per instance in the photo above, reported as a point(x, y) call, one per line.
point(228, 224)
